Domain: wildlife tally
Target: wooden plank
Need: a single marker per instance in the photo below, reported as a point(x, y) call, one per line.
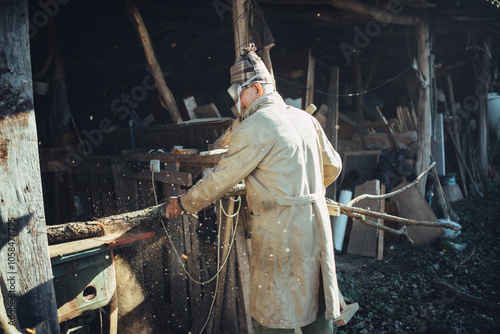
point(243, 259)
point(171, 177)
point(171, 158)
point(176, 275)
point(363, 238)
point(227, 223)
point(113, 306)
point(412, 205)
point(229, 308)
point(346, 315)
point(126, 195)
point(380, 253)
point(194, 263)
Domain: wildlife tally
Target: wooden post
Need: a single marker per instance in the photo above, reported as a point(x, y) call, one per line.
point(240, 23)
point(165, 93)
point(358, 87)
point(309, 93)
point(424, 107)
point(332, 120)
point(483, 112)
point(24, 253)
point(455, 133)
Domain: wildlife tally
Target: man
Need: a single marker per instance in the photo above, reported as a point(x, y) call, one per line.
point(286, 161)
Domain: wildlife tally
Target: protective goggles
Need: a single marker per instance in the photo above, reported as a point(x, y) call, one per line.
point(235, 89)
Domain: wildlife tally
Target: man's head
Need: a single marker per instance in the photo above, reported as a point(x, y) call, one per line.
point(250, 79)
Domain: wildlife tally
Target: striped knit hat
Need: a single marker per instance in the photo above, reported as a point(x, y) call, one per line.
point(249, 65)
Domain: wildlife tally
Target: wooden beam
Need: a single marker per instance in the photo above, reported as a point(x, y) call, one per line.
point(172, 177)
point(165, 93)
point(374, 12)
point(24, 256)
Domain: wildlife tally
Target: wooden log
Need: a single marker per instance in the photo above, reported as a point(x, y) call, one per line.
point(24, 256)
point(165, 93)
point(242, 36)
point(424, 108)
point(106, 225)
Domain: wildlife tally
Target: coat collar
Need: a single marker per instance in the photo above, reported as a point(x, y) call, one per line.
point(262, 101)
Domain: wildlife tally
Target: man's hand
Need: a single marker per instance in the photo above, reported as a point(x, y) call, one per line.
point(172, 210)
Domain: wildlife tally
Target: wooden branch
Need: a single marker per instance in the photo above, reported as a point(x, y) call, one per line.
point(394, 193)
point(464, 296)
point(165, 93)
point(349, 210)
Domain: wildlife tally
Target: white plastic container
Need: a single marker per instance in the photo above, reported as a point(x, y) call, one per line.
point(341, 222)
point(494, 114)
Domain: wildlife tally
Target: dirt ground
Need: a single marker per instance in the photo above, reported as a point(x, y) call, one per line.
point(436, 288)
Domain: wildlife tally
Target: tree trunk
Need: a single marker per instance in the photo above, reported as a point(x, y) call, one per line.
point(424, 107)
point(24, 255)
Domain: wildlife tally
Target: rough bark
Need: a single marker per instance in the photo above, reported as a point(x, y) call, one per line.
point(424, 108)
point(107, 225)
point(24, 256)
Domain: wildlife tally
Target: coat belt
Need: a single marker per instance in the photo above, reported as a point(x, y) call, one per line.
point(300, 200)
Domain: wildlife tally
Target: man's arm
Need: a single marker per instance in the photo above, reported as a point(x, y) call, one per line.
point(242, 158)
point(332, 163)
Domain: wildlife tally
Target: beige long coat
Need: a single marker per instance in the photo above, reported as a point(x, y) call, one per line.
point(286, 161)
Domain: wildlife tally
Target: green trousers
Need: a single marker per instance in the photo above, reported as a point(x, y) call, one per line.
point(320, 326)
